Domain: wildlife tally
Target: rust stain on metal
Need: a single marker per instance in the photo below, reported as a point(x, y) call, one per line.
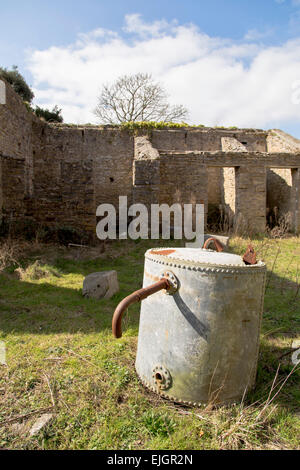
point(218, 245)
point(250, 255)
point(153, 278)
point(162, 252)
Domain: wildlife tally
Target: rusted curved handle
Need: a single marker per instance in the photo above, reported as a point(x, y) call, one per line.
point(136, 296)
point(219, 246)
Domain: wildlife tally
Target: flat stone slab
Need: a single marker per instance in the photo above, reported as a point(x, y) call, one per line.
point(40, 424)
point(101, 285)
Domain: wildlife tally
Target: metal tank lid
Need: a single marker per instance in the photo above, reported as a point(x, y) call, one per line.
point(198, 256)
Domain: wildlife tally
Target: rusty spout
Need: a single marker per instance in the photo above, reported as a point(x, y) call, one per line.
point(218, 245)
point(136, 296)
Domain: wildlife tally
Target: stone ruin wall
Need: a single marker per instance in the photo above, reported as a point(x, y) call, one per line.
point(75, 170)
point(59, 174)
point(16, 153)
point(231, 169)
point(280, 184)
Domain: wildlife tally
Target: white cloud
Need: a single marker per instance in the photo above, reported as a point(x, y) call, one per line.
point(254, 34)
point(222, 82)
point(135, 24)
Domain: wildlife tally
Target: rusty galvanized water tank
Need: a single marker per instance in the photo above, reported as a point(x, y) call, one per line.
point(199, 341)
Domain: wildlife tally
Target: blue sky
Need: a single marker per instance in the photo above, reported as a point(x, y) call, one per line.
point(39, 24)
point(213, 56)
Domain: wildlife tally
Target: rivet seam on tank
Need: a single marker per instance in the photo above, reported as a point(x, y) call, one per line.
point(168, 397)
point(161, 378)
point(174, 399)
point(173, 281)
point(226, 269)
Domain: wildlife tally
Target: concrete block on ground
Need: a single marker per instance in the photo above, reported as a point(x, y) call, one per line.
point(101, 285)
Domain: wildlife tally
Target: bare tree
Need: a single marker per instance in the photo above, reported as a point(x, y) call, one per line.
point(136, 98)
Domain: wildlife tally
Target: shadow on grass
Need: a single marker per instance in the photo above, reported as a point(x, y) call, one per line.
point(46, 309)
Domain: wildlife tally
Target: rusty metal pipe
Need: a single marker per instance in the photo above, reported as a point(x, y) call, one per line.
point(218, 245)
point(136, 296)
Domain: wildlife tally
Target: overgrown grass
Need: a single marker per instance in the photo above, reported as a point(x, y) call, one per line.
point(62, 358)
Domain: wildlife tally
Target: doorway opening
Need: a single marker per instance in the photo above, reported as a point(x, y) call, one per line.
point(279, 199)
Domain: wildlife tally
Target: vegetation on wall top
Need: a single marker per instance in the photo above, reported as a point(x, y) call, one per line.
point(17, 81)
point(136, 125)
point(53, 115)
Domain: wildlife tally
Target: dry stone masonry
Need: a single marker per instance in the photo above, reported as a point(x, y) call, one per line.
point(59, 174)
